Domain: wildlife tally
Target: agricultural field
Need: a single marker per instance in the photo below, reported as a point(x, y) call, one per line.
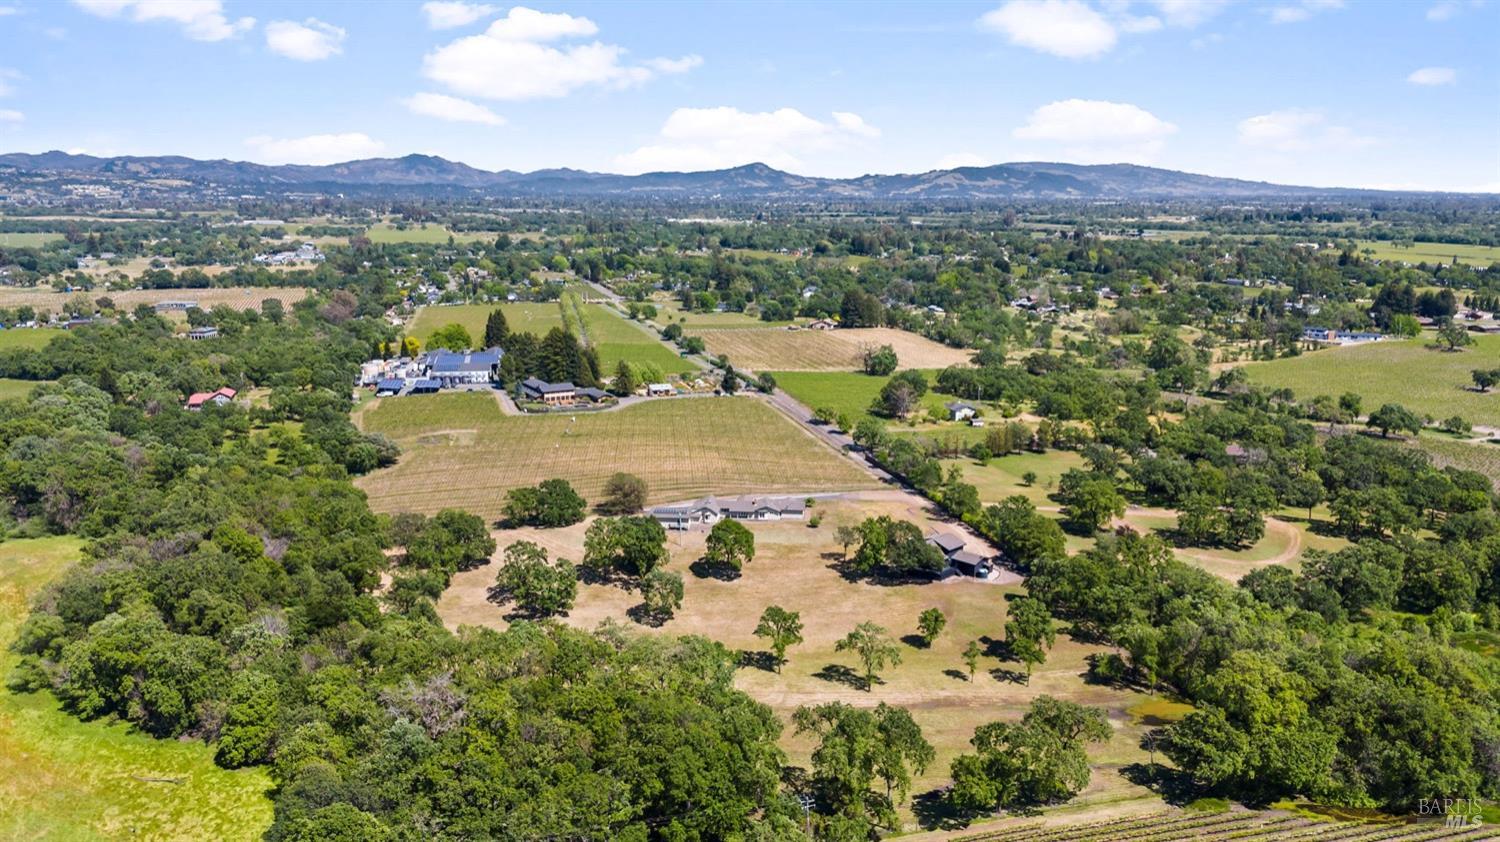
point(1482, 456)
point(617, 338)
point(778, 349)
point(669, 310)
point(537, 318)
point(797, 567)
point(459, 451)
point(240, 298)
point(36, 239)
point(28, 337)
point(64, 779)
point(1424, 380)
point(849, 392)
point(386, 233)
point(1433, 252)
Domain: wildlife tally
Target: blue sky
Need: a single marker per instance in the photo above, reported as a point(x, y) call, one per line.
point(1323, 92)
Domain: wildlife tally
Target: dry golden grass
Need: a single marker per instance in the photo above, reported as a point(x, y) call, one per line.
point(459, 451)
point(778, 349)
point(795, 566)
point(240, 298)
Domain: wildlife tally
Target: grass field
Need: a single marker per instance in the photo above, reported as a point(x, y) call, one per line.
point(617, 339)
point(846, 392)
point(795, 566)
point(1424, 380)
point(240, 298)
point(10, 388)
point(537, 318)
point(1433, 252)
point(777, 349)
point(386, 233)
point(459, 451)
point(10, 239)
point(26, 337)
point(670, 310)
point(62, 779)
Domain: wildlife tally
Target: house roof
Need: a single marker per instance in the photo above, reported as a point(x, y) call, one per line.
point(966, 557)
point(453, 362)
point(955, 406)
point(946, 542)
point(200, 398)
point(393, 384)
point(533, 384)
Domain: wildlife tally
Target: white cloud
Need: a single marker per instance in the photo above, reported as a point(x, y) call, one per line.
point(1188, 13)
point(955, 160)
point(7, 75)
point(1098, 131)
point(10, 115)
point(314, 149)
point(512, 61)
point(452, 109)
point(1298, 130)
point(1065, 28)
point(1444, 10)
point(1433, 76)
point(448, 14)
point(201, 20)
point(712, 138)
point(1299, 12)
point(310, 40)
point(7, 11)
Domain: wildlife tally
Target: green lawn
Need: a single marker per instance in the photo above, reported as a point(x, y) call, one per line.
point(10, 388)
point(28, 239)
point(618, 339)
point(537, 318)
point(1422, 379)
point(849, 392)
point(387, 233)
point(63, 779)
point(23, 337)
point(1433, 252)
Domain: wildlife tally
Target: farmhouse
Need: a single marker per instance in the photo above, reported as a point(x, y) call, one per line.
point(179, 305)
point(1339, 337)
point(965, 562)
point(220, 397)
point(960, 411)
point(453, 368)
point(550, 393)
point(660, 390)
point(205, 332)
point(710, 510)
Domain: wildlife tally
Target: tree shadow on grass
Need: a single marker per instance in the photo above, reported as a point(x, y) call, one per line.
point(958, 674)
point(756, 658)
point(849, 573)
point(705, 569)
point(915, 641)
point(646, 617)
point(840, 674)
point(934, 812)
point(1008, 676)
point(1175, 787)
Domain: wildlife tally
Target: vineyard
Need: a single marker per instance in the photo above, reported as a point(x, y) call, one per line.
point(1233, 826)
point(779, 349)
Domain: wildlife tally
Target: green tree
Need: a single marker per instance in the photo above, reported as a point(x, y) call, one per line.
point(624, 382)
point(1039, 760)
point(971, 657)
point(633, 546)
point(539, 587)
point(553, 503)
point(782, 629)
point(729, 544)
point(846, 536)
point(1091, 503)
point(496, 329)
point(454, 337)
point(879, 361)
point(1396, 417)
point(624, 494)
point(661, 594)
point(1029, 632)
point(874, 648)
point(930, 625)
point(1452, 336)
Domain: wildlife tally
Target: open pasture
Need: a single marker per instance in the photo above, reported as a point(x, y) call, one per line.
point(27, 239)
point(1433, 252)
point(459, 451)
point(537, 318)
point(240, 298)
point(850, 392)
point(797, 567)
point(28, 337)
point(669, 310)
point(65, 779)
point(778, 349)
point(423, 234)
point(1424, 380)
point(616, 338)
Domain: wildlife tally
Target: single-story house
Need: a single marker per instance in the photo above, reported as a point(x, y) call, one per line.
point(205, 332)
point(710, 510)
point(219, 397)
point(175, 304)
point(823, 324)
point(960, 411)
point(947, 542)
point(970, 564)
point(660, 390)
point(589, 393)
point(454, 367)
point(536, 389)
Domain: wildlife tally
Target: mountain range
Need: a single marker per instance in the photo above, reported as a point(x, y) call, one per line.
point(423, 173)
